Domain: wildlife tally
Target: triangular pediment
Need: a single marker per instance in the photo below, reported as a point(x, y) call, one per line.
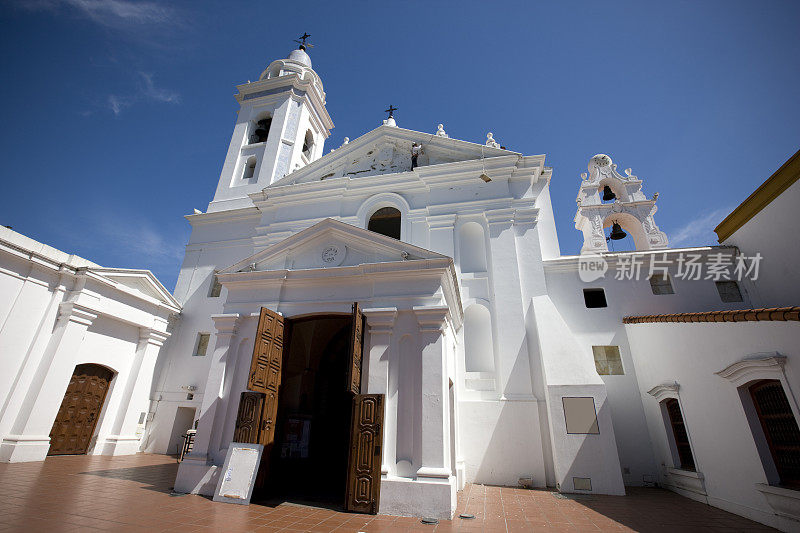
point(142, 281)
point(330, 244)
point(387, 150)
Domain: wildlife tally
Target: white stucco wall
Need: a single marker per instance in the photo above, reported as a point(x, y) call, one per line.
point(58, 311)
point(771, 232)
point(585, 328)
point(722, 442)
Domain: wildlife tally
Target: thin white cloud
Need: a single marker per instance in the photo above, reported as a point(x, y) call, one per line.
point(117, 103)
point(108, 13)
point(147, 91)
point(155, 93)
point(133, 241)
point(700, 230)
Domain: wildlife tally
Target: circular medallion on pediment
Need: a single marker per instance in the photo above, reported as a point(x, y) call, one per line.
point(332, 254)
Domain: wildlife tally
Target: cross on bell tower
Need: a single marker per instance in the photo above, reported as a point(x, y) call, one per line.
point(302, 41)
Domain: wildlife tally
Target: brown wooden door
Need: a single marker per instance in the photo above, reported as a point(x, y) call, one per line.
point(265, 378)
point(80, 409)
point(248, 420)
point(364, 468)
point(356, 351)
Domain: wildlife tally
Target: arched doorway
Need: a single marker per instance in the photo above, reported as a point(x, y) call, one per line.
point(80, 410)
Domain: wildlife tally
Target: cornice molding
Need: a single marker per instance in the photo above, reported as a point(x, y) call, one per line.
point(74, 312)
point(153, 336)
point(782, 179)
point(431, 319)
point(380, 319)
point(226, 324)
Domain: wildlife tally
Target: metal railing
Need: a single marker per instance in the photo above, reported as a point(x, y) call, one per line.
point(188, 442)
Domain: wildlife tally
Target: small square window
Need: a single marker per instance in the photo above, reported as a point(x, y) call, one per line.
point(661, 284)
point(202, 344)
point(216, 287)
point(607, 360)
point(729, 291)
point(594, 298)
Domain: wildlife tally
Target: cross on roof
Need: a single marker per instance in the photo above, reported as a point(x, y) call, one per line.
point(302, 40)
point(391, 111)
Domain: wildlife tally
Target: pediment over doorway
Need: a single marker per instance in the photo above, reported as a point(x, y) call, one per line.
point(330, 244)
point(328, 266)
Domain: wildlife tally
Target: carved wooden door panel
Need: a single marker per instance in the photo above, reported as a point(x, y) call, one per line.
point(364, 468)
point(265, 369)
point(356, 351)
point(80, 409)
point(248, 420)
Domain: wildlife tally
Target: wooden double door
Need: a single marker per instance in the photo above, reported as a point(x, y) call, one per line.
point(80, 410)
point(258, 409)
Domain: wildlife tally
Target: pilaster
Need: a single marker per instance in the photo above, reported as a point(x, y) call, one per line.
point(442, 234)
point(435, 446)
point(508, 318)
point(226, 326)
point(29, 438)
point(380, 324)
point(124, 439)
point(197, 473)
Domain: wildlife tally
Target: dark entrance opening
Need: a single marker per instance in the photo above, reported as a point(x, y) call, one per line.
point(309, 460)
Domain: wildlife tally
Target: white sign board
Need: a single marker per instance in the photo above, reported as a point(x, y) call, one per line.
point(238, 476)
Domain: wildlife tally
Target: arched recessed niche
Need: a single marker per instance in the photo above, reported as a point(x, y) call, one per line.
point(472, 248)
point(478, 342)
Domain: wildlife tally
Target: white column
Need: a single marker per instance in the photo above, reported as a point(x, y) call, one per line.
point(435, 426)
point(29, 439)
point(380, 324)
point(226, 326)
point(123, 439)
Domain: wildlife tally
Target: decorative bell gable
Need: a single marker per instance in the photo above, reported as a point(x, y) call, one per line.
point(629, 207)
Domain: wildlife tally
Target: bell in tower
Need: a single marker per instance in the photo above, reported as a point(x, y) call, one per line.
point(628, 207)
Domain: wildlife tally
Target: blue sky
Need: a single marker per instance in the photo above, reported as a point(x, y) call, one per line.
point(116, 115)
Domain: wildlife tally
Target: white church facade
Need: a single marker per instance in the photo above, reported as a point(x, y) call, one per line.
point(394, 319)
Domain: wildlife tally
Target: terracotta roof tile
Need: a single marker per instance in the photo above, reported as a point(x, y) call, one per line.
point(781, 314)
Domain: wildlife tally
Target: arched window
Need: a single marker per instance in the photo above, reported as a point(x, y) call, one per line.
point(249, 168)
point(308, 144)
point(478, 345)
point(386, 221)
point(472, 248)
point(261, 130)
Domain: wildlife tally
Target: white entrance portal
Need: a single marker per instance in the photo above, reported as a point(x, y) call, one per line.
point(413, 312)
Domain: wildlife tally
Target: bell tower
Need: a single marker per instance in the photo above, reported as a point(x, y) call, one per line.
point(608, 199)
point(281, 126)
